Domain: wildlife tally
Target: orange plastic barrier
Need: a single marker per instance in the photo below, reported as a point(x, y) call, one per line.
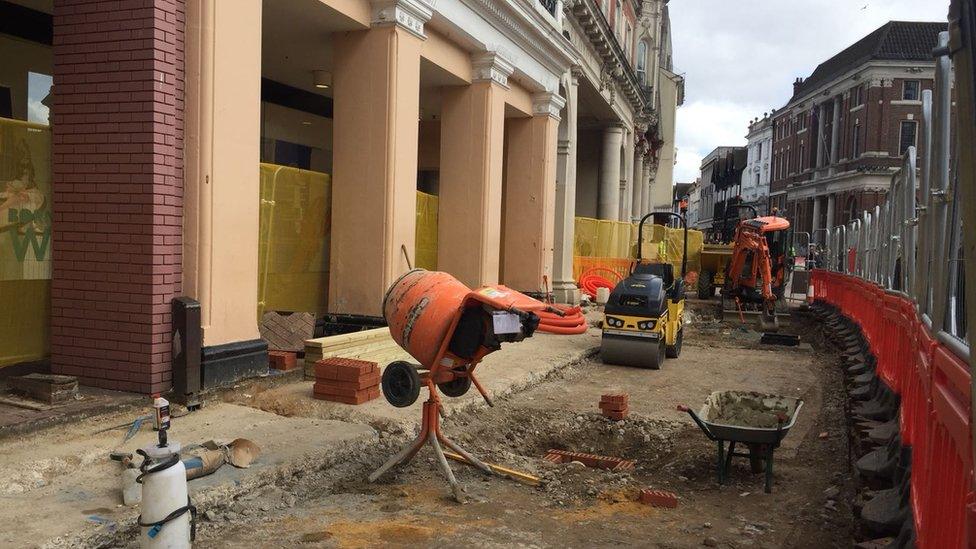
point(934, 385)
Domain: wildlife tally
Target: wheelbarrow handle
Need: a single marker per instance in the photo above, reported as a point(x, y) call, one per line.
point(701, 424)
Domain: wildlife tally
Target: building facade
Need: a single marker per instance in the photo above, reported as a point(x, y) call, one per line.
point(842, 134)
point(755, 177)
point(250, 154)
point(261, 156)
point(712, 168)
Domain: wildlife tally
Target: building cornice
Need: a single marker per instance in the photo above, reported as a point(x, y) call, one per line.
point(547, 104)
point(491, 66)
point(525, 26)
point(870, 71)
point(410, 15)
point(616, 67)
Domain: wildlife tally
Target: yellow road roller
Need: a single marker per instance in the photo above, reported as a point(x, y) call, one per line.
point(642, 320)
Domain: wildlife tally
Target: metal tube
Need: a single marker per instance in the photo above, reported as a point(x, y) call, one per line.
point(940, 184)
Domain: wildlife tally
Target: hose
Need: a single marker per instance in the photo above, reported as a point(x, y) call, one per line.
point(562, 320)
point(590, 281)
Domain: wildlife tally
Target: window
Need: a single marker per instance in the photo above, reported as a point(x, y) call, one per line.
point(803, 150)
point(907, 136)
point(856, 141)
point(38, 97)
point(911, 90)
point(857, 97)
point(789, 161)
point(641, 62)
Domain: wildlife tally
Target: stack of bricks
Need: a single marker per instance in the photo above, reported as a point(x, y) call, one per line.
point(282, 360)
point(346, 380)
point(614, 406)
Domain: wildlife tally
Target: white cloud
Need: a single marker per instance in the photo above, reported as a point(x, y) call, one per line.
point(740, 58)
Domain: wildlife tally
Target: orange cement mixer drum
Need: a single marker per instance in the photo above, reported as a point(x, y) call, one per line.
point(420, 308)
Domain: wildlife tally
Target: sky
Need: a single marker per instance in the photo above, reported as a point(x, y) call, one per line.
point(740, 58)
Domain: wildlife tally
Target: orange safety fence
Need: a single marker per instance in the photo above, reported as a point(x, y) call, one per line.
point(934, 384)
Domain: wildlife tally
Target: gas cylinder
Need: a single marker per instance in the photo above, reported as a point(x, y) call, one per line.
point(166, 517)
point(419, 309)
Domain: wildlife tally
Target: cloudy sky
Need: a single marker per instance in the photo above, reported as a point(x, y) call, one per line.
point(740, 57)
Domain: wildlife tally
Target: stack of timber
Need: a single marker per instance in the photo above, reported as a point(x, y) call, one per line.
point(371, 345)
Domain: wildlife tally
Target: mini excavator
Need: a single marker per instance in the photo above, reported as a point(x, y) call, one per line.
point(755, 277)
point(642, 321)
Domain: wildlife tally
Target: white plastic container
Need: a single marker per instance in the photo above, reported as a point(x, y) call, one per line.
point(602, 296)
point(163, 492)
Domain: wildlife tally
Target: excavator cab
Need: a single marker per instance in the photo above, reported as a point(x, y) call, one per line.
point(642, 319)
point(756, 275)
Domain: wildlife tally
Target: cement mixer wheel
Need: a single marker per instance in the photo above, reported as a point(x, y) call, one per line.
point(457, 387)
point(401, 384)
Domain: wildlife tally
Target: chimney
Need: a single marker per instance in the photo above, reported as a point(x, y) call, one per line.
point(796, 85)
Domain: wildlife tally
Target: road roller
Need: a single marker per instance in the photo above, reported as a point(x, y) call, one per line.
point(642, 320)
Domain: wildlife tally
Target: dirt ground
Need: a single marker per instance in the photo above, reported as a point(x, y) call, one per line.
point(576, 506)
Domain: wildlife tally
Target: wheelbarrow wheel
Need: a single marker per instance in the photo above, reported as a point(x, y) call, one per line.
point(401, 384)
point(457, 387)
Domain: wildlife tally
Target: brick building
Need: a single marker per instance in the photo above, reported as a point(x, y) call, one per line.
point(843, 133)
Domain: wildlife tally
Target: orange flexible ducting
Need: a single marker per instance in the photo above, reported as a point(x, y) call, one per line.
point(567, 321)
point(589, 281)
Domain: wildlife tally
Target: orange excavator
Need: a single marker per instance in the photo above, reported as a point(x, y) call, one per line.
point(755, 278)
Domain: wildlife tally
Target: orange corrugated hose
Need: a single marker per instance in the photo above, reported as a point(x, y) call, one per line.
point(562, 320)
point(589, 281)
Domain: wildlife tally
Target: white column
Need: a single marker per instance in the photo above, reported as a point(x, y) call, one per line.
point(563, 284)
point(608, 206)
point(834, 133)
point(816, 218)
point(638, 186)
point(820, 133)
point(831, 206)
point(648, 182)
point(626, 166)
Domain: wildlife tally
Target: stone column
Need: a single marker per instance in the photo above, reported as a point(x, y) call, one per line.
point(638, 185)
point(374, 186)
point(835, 134)
point(831, 208)
point(563, 282)
point(815, 221)
point(648, 183)
point(820, 133)
point(608, 206)
point(470, 192)
point(530, 195)
point(626, 168)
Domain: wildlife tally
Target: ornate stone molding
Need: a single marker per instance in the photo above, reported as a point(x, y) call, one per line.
point(547, 104)
point(490, 66)
point(411, 15)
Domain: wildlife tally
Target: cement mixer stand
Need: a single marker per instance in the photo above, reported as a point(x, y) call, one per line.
point(430, 432)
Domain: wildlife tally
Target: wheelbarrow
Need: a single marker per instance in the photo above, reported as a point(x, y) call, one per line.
point(755, 420)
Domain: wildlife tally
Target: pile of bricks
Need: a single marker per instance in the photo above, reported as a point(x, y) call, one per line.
point(614, 406)
point(282, 360)
point(590, 460)
point(346, 380)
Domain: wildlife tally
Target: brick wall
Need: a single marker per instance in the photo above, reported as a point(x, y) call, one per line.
point(118, 187)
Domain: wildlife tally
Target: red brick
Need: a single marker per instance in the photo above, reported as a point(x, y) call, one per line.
point(613, 407)
point(364, 382)
point(615, 398)
point(358, 398)
point(282, 360)
point(332, 388)
point(615, 416)
point(658, 498)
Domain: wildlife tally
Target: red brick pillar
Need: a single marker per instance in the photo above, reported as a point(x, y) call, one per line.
point(118, 188)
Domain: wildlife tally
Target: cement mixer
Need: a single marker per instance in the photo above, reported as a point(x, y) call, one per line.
point(449, 328)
